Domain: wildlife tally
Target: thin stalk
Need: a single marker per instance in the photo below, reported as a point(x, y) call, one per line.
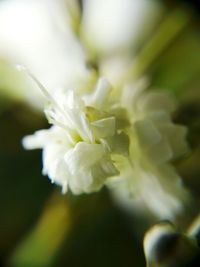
point(169, 29)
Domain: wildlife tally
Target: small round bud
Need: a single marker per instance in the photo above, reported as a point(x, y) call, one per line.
point(164, 246)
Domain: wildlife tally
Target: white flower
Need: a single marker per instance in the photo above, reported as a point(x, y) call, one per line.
point(148, 179)
point(113, 25)
point(126, 141)
point(113, 30)
point(150, 113)
point(150, 188)
point(77, 149)
point(39, 35)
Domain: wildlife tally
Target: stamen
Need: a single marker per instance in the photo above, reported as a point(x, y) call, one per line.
point(41, 86)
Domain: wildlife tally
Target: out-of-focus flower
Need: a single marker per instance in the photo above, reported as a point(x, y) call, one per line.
point(113, 31)
point(40, 35)
point(149, 180)
point(114, 25)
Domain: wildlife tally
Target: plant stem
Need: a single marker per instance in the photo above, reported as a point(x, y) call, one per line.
point(170, 28)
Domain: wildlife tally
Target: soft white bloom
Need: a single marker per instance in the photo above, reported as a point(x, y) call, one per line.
point(77, 149)
point(124, 140)
point(148, 179)
point(39, 35)
point(146, 186)
point(113, 25)
point(150, 114)
point(113, 32)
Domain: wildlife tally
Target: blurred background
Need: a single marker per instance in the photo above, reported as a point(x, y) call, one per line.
point(40, 227)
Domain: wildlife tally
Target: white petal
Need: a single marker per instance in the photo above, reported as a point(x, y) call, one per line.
point(101, 171)
point(155, 101)
point(103, 128)
point(92, 179)
point(159, 117)
point(131, 94)
point(80, 182)
point(52, 153)
point(147, 133)
point(176, 136)
point(99, 97)
point(118, 144)
point(36, 140)
point(62, 176)
point(81, 124)
point(121, 117)
point(160, 152)
point(83, 156)
point(150, 187)
point(112, 25)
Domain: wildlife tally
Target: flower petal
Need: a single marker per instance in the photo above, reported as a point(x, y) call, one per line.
point(83, 156)
point(155, 101)
point(36, 140)
point(99, 97)
point(103, 128)
point(118, 144)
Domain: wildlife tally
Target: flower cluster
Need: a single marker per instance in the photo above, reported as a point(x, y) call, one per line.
point(125, 140)
point(118, 135)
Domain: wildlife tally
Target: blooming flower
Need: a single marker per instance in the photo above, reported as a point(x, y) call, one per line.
point(77, 149)
point(150, 180)
point(124, 139)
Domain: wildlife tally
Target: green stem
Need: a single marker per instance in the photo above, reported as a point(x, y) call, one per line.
point(168, 30)
point(39, 248)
